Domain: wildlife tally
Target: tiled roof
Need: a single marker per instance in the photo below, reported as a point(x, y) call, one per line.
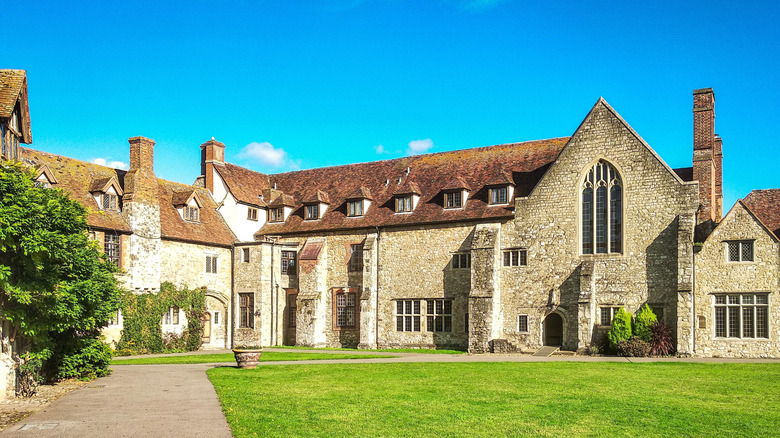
point(430, 173)
point(211, 229)
point(246, 185)
point(13, 87)
point(78, 178)
point(765, 204)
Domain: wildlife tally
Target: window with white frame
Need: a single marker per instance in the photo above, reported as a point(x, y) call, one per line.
point(497, 195)
point(453, 200)
point(112, 245)
point(211, 264)
point(439, 315)
point(191, 214)
point(607, 314)
point(403, 204)
point(742, 316)
point(516, 257)
point(288, 262)
point(461, 260)
point(312, 212)
point(602, 217)
point(171, 317)
point(276, 214)
point(407, 315)
point(251, 213)
point(739, 251)
point(355, 208)
point(522, 323)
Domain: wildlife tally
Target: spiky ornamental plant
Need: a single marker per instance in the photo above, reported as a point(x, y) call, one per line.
point(644, 319)
point(620, 329)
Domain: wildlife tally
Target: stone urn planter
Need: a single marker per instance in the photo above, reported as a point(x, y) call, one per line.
point(247, 357)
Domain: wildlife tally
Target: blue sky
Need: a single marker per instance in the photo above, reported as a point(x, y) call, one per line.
point(301, 84)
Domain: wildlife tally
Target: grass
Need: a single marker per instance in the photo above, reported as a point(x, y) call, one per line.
point(502, 399)
point(268, 356)
point(382, 350)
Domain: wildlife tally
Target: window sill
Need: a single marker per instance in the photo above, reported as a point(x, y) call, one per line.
point(740, 339)
point(403, 212)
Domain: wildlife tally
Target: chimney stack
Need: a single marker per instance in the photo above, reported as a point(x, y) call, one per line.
point(707, 157)
point(212, 152)
point(140, 182)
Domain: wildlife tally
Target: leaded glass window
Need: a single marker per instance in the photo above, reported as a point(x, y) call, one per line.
point(602, 220)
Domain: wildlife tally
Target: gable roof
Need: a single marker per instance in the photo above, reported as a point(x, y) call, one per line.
point(246, 185)
point(79, 178)
point(427, 175)
point(765, 204)
point(13, 89)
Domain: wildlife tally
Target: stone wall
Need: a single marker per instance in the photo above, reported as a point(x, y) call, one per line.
point(715, 275)
point(143, 268)
point(547, 224)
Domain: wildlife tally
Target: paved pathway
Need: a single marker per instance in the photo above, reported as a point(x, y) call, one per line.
point(178, 400)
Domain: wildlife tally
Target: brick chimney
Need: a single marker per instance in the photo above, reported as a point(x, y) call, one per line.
point(140, 182)
point(707, 157)
point(212, 152)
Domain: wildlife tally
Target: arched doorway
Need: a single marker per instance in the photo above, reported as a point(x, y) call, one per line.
point(206, 320)
point(553, 330)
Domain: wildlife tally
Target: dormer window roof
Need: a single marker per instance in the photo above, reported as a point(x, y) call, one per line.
point(500, 188)
point(45, 177)
point(502, 178)
point(457, 183)
point(407, 188)
point(283, 201)
point(188, 204)
point(106, 192)
point(319, 197)
point(358, 202)
point(455, 193)
point(360, 193)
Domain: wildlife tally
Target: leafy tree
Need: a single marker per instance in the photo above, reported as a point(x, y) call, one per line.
point(644, 319)
point(56, 287)
point(620, 329)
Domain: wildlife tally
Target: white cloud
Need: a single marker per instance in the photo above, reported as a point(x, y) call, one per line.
point(266, 154)
point(419, 146)
point(112, 164)
point(380, 149)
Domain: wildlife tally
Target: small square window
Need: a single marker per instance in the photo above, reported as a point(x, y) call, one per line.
point(355, 208)
point(312, 212)
point(516, 257)
point(740, 251)
point(522, 323)
point(607, 314)
point(403, 204)
point(110, 202)
point(498, 195)
point(453, 200)
point(461, 261)
point(276, 214)
point(211, 264)
point(251, 214)
point(191, 214)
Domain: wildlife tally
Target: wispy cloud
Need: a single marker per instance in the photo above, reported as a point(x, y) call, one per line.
point(112, 164)
point(419, 146)
point(380, 149)
point(267, 155)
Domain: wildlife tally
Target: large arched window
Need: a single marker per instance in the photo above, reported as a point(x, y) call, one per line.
point(602, 210)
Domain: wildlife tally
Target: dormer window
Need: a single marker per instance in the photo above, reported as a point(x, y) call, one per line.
point(110, 202)
point(403, 204)
point(191, 214)
point(276, 214)
point(312, 212)
point(453, 200)
point(355, 208)
point(498, 195)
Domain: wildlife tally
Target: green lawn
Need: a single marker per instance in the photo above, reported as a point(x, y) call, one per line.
point(502, 399)
point(384, 350)
point(268, 356)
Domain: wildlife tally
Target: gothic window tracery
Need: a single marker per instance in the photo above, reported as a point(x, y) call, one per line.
point(602, 210)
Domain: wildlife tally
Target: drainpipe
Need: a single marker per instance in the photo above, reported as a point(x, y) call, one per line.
point(693, 288)
point(273, 244)
point(376, 318)
point(230, 306)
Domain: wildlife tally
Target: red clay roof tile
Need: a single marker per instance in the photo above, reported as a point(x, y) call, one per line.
point(765, 204)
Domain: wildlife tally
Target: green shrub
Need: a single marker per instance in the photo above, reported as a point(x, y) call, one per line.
point(644, 319)
point(85, 357)
point(633, 347)
point(620, 330)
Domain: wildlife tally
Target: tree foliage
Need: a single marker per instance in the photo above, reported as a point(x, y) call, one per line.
point(620, 329)
point(142, 314)
point(56, 287)
point(644, 319)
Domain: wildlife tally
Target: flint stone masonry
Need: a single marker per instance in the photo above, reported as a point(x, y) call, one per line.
point(716, 275)
point(145, 246)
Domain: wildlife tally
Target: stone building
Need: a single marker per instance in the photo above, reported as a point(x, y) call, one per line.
point(493, 249)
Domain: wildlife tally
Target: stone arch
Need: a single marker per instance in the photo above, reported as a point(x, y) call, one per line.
point(553, 329)
point(216, 321)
